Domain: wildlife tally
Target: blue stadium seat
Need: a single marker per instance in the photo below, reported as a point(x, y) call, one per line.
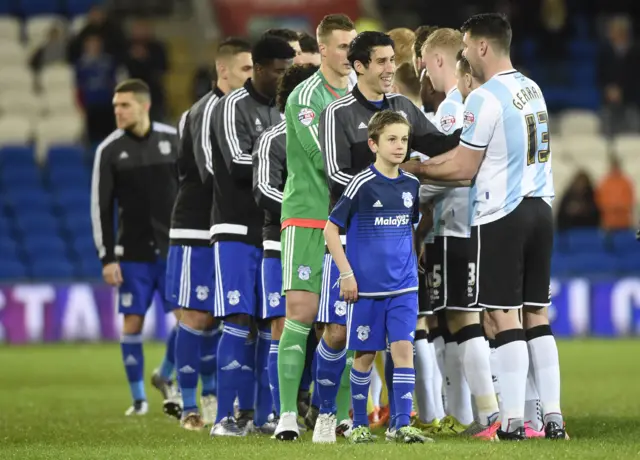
point(585, 240)
point(8, 248)
point(75, 177)
point(83, 246)
point(560, 242)
point(30, 200)
point(17, 155)
point(5, 226)
point(630, 264)
point(76, 7)
point(583, 49)
point(624, 242)
point(65, 155)
point(593, 264)
point(45, 246)
point(72, 201)
point(35, 7)
point(90, 267)
point(33, 224)
point(12, 270)
point(561, 265)
point(7, 7)
point(20, 178)
point(78, 223)
point(53, 268)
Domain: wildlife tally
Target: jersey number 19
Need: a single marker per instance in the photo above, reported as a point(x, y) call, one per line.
point(537, 137)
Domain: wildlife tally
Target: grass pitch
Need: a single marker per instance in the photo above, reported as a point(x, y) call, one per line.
point(68, 401)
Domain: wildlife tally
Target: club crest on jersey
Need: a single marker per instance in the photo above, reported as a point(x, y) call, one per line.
point(363, 332)
point(447, 122)
point(340, 307)
point(202, 292)
point(259, 127)
point(306, 116)
point(274, 299)
point(233, 297)
point(164, 147)
point(304, 272)
point(468, 119)
point(407, 198)
point(126, 299)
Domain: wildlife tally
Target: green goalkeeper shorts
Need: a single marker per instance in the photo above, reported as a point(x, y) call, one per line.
point(302, 259)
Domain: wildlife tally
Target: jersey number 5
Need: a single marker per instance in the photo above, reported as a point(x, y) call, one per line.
point(538, 142)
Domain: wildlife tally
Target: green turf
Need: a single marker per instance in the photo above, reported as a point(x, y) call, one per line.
point(67, 402)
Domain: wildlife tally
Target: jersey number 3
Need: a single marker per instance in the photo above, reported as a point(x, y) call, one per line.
point(538, 142)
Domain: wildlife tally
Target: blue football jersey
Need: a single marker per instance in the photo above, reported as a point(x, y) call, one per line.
point(378, 214)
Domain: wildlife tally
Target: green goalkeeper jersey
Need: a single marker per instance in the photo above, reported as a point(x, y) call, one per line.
point(305, 200)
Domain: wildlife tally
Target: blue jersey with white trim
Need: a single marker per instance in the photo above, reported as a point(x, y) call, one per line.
point(378, 213)
point(507, 117)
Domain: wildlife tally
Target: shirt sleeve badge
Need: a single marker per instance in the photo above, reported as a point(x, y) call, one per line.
point(306, 116)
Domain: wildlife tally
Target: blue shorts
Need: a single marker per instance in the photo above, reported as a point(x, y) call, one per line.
point(237, 273)
point(272, 303)
point(190, 277)
point(373, 322)
point(140, 281)
point(332, 309)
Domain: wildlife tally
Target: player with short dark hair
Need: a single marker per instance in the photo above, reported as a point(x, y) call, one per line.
point(378, 273)
point(310, 50)
point(236, 231)
point(190, 265)
point(269, 177)
point(343, 137)
point(504, 148)
point(305, 207)
point(135, 167)
point(291, 37)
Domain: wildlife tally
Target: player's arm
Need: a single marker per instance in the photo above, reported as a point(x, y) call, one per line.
point(464, 161)
point(233, 135)
point(303, 116)
point(102, 202)
point(267, 174)
point(339, 218)
point(425, 137)
point(336, 148)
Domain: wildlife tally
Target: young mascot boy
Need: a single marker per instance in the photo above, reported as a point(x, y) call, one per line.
point(378, 273)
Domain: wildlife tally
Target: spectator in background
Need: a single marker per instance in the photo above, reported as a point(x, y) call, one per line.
point(615, 198)
point(618, 66)
point(310, 51)
point(95, 79)
point(107, 28)
point(146, 59)
point(52, 51)
point(403, 39)
point(578, 206)
point(407, 83)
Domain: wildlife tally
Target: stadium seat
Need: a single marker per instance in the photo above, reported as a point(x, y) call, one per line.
point(16, 79)
point(9, 27)
point(12, 53)
point(83, 246)
point(624, 242)
point(58, 77)
point(80, 7)
point(578, 122)
point(78, 222)
point(31, 200)
point(12, 270)
point(44, 246)
point(53, 268)
point(76, 178)
point(25, 105)
point(39, 7)
point(65, 155)
point(560, 265)
point(17, 155)
point(90, 266)
point(60, 101)
point(585, 240)
point(15, 130)
point(20, 179)
point(57, 130)
point(5, 226)
point(630, 265)
point(593, 264)
point(70, 201)
point(8, 248)
point(34, 224)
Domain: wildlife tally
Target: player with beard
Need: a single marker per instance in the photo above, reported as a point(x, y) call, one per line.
point(504, 147)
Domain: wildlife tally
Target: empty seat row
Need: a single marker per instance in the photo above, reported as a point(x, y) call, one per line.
point(28, 8)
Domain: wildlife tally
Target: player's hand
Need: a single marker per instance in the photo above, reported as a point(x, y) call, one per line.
point(112, 274)
point(349, 289)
